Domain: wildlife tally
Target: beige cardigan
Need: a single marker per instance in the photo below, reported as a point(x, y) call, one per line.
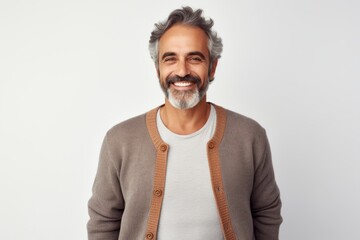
point(129, 184)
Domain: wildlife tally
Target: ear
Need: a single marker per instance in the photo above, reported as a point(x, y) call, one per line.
point(213, 69)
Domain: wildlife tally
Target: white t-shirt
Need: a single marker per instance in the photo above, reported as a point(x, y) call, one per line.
point(189, 209)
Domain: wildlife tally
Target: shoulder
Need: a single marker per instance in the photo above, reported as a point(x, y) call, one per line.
point(242, 131)
point(129, 125)
point(236, 120)
point(128, 131)
point(240, 128)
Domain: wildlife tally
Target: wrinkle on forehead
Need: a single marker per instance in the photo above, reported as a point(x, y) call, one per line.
point(183, 39)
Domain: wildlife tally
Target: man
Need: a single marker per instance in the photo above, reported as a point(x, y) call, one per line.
point(187, 169)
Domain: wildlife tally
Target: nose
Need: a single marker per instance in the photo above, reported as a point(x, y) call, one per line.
point(182, 69)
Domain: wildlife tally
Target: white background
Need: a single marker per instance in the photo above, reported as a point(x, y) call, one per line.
point(71, 69)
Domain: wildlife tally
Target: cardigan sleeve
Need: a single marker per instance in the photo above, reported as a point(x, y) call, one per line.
point(106, 204)
point(265, 198)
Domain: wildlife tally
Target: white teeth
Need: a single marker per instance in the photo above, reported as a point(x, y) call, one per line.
point(182, 84)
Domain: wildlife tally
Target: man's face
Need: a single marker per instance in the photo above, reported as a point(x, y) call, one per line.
point(184, 65)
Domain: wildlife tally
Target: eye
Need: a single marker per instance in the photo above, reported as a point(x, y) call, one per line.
point(195, 59)
point(169, 59)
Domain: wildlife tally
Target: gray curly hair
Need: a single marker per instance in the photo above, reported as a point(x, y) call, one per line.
point(186, 16)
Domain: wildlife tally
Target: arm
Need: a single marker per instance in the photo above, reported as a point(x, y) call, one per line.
point(106, 204)
point(265, 198)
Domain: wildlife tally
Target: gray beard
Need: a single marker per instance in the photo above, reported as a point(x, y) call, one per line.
point(185, 99)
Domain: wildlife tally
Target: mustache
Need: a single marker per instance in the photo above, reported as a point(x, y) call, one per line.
point(187, 78)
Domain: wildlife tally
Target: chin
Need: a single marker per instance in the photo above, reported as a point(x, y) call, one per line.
point(184, 102)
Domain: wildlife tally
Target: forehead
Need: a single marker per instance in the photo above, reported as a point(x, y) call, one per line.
point(182, 39)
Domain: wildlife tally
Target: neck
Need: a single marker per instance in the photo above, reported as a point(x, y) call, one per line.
point(185, 121)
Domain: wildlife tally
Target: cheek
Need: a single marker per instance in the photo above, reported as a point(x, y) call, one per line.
point(162, 78)
point(202, 72)
point(203, 68)
point(163, 72)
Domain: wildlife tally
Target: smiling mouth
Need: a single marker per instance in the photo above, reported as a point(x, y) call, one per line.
point(183, 84)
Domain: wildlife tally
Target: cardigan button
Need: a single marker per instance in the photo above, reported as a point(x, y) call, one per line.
point(157, 192)
point(163, 148)
point(211, 145)
point(149, 235)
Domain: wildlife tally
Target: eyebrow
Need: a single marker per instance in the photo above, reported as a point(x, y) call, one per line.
point(197, 53)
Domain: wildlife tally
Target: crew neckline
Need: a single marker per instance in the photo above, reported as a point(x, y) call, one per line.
point(161, 125)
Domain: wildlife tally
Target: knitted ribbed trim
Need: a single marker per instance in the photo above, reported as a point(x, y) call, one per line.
point(160, 174)
point(216, 176)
